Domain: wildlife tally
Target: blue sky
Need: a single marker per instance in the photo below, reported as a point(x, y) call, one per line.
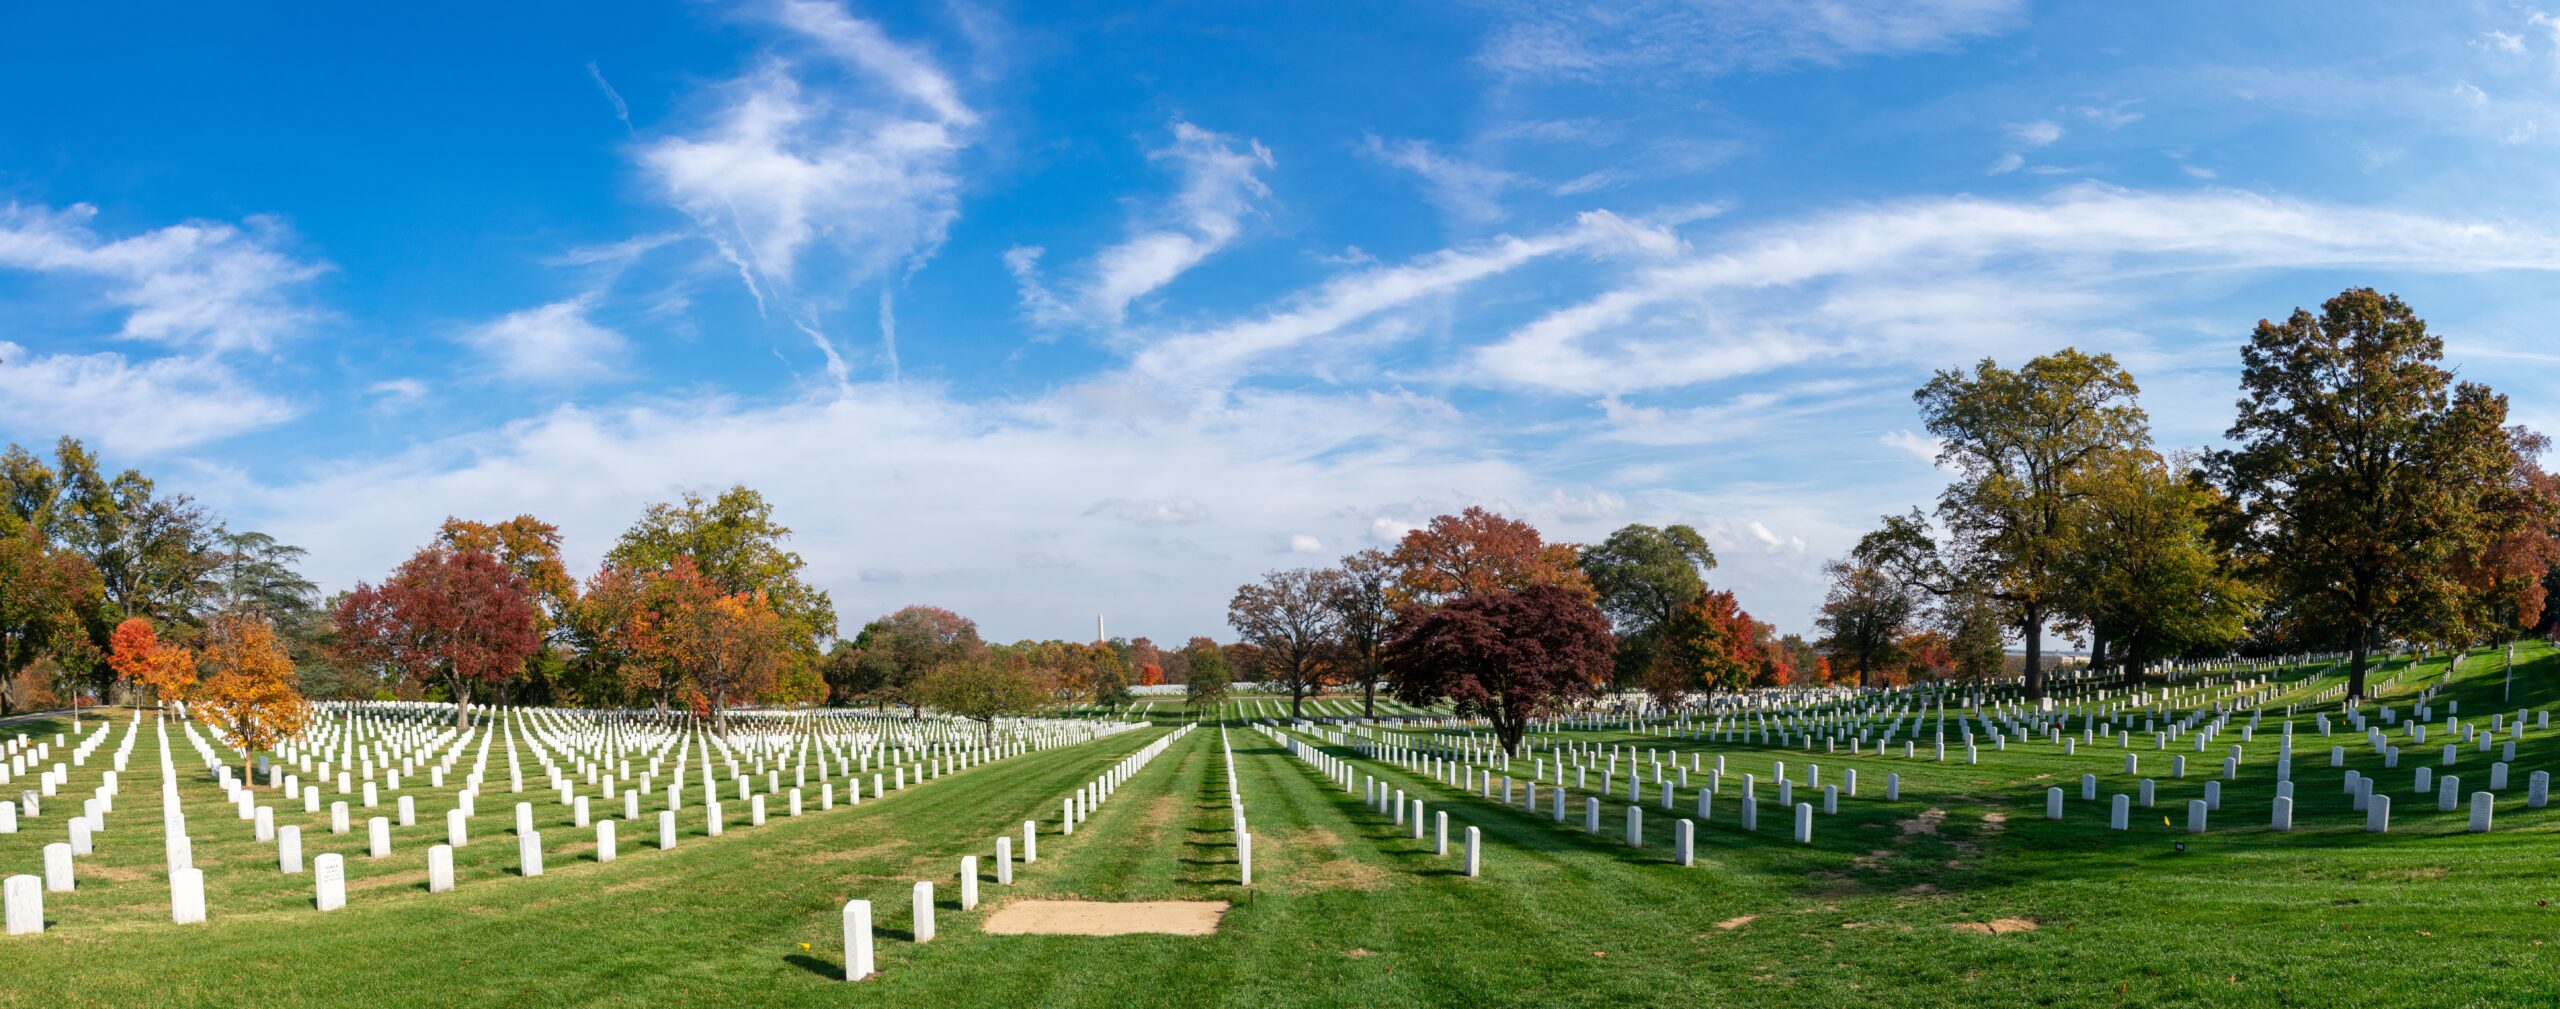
point(1042, 310)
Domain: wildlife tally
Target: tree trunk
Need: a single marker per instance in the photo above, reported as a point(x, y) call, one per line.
point(2355, 665)
point(461, 703)
point(1369, 696)
point(2034, 624)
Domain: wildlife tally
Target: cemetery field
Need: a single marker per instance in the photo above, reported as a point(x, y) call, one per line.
point(1959, 892)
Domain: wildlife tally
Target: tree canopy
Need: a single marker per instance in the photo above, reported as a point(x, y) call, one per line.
point(1506, 656)
point(2356, 472)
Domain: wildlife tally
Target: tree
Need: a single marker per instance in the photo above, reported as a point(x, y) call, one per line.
point(1504, 656)
point(1207, 685)
point(1290, 616)
point(138, 657)
point(2020, 442)
point(47, 597)
point(152, 554)
point(2144, 571)
point(1972, 625)
point(981, 690)
point(2355, 471)
point(736, 544)
point(1710, 644)
point(1643, 575)
point(730, 646)
point(898, 649)
point(2506, 579)
point(247, 690)
point(1865, 618)
point(1364, 600)
point(1475, 552)
point(253, 573)
point(1244, 661)
point(458, 619)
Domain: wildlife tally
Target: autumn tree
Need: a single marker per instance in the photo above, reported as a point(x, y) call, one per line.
point(1865, 619)
point(982, 690)
point(1290, 616)
point(2020, 443)
point(47, 598)
point(139, 657)
point(1244, 661)
point(1506, 656)
point(1475, 552)
point(730, 647)
point(896, 650)
point(247, 688)
point(1710, 645)
point(2355, 471)
point(736, 544)
point(458, 619)
point(2506, 580)
point(1364, 601)
point(1643, 575)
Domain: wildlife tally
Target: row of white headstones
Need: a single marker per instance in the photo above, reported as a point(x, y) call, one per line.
point(860, 956)
point(187, 900)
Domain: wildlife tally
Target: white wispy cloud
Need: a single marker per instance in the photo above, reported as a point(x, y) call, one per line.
point(1218, 354)
point(395, 393)
point(2112, 116)
point(1463, 189)
point(1616, 41)
point(554, 344)
point(142, 408)
point(1919, 446)
point(1922, 278)
point(840, 141)
point(203, 285)
point(1220, 184)
point(2035, 134)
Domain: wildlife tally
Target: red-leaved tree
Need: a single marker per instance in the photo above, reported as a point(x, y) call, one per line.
point(1504, 656)
point(455, 618)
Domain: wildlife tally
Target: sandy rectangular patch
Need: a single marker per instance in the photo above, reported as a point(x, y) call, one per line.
point(1095, 917)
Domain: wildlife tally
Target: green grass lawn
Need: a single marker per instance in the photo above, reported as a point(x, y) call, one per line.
point(1348, 911)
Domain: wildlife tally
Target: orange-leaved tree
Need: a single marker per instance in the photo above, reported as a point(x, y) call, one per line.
point(1715, 645)
point(247, 687)
point(139, 657)
point(731, 647)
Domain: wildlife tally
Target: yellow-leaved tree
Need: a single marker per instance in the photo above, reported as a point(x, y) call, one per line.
point(246, 687)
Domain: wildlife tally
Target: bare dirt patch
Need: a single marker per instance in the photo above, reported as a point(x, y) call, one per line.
point(852, 854)
point(1996, 926)
point(1730, 924)
point(1091, 917)
point(1926, 823)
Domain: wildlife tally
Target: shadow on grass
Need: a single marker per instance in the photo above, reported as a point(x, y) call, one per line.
point(823, 968)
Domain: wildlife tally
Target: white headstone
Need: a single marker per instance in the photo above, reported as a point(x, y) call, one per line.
point(857, 940)
point(329, 878)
